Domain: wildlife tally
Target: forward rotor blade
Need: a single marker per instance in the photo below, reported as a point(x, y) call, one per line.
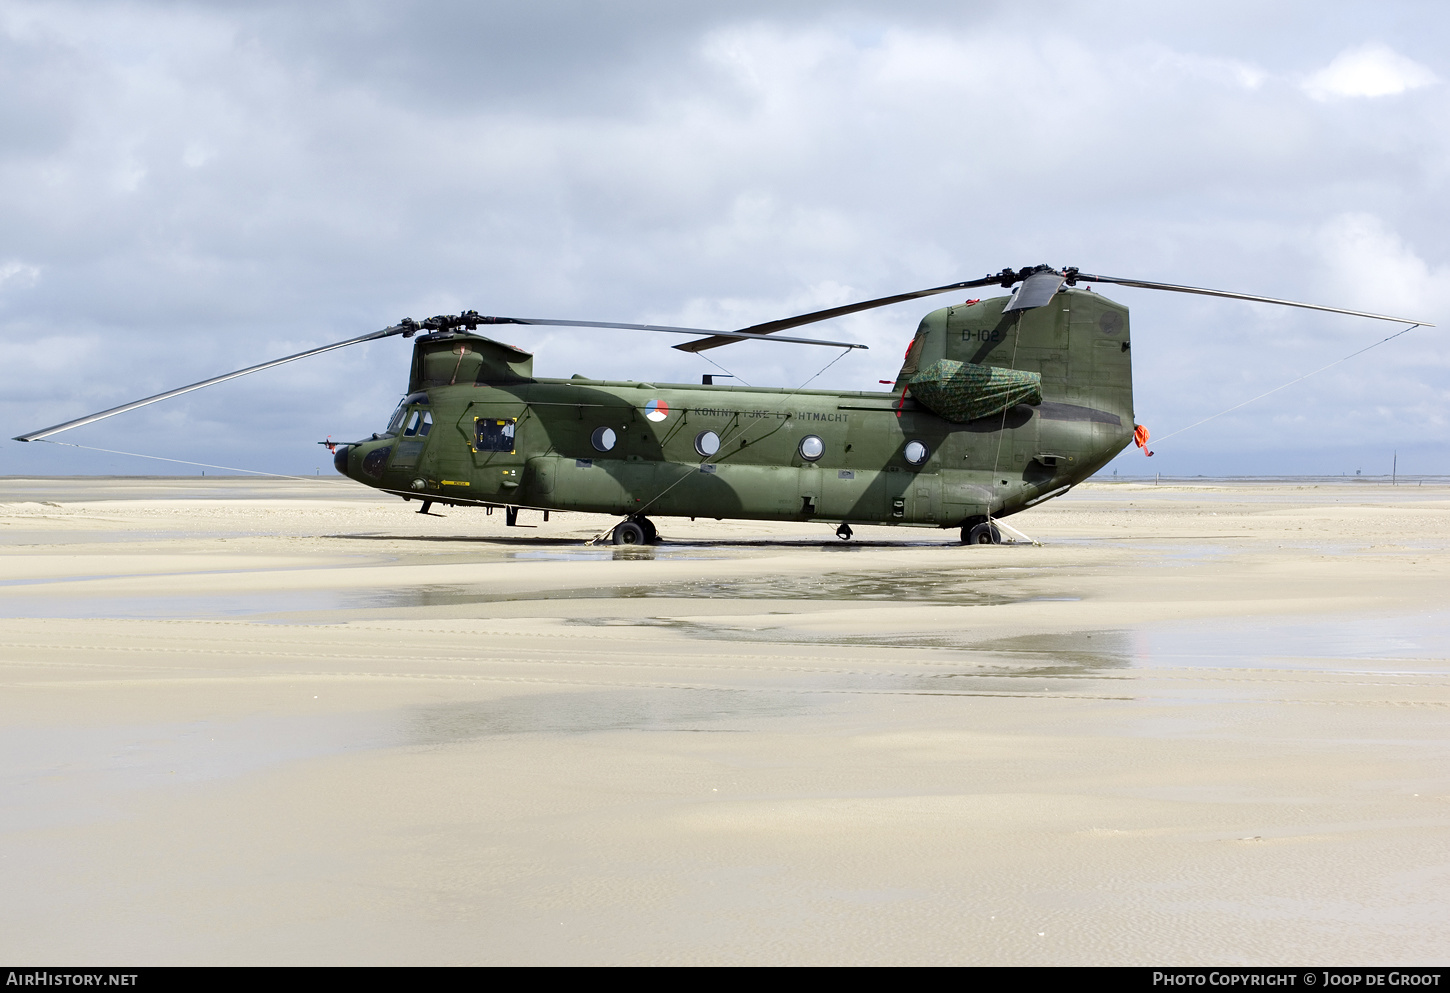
point(92, 418)
point(407, 327)
point(769, 327)
point(1082, 277)
point(747, 334)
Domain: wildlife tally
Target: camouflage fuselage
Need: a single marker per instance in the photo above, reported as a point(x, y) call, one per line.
point(497, 436)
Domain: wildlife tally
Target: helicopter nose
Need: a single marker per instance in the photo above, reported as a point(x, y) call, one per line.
point(339, 460)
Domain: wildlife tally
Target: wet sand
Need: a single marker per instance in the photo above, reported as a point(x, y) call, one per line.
point(291, 722)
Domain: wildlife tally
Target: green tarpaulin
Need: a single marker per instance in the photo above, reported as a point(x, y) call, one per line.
point(964, 391)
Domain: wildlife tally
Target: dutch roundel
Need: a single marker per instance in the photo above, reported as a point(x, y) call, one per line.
point(657, 410)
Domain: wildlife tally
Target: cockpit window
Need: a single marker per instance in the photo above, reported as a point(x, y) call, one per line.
point(420, 423)
point(397, 420)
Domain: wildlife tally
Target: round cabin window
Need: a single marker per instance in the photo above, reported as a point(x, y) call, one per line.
point(707, 443)
point(916, 452)
point(812, 448)
point(603, 439)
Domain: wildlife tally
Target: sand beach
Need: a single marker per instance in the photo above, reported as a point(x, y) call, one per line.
point(276, 722)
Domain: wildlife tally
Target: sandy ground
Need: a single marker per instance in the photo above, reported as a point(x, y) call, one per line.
point(292, 722)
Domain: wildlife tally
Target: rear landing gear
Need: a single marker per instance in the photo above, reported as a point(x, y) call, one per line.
point(844, 532)
point(636, 531)
point(982, 533)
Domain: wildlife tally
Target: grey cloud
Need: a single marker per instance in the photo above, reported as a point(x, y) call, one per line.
point(206, 186)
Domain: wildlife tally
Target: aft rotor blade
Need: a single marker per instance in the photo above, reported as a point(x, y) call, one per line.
point(769, 327)
point(92, 418)
point(745, 335)
point(1083, 277)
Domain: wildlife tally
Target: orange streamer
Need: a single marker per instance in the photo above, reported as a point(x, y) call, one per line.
point(1140, 438)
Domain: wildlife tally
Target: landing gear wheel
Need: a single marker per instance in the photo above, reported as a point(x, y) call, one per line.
point(844, 532)
point(629, 533)
point(985, 533)
point(651, 533)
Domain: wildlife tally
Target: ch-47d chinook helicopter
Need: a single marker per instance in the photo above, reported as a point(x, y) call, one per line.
point(999, 405)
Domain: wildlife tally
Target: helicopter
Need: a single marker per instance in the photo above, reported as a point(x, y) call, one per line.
point(999, 405)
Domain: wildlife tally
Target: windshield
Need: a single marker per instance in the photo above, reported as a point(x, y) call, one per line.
point(397, 420)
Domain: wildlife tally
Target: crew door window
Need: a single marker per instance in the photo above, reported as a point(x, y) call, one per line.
point(494, 434)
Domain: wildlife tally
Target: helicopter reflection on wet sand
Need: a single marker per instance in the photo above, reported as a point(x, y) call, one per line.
point(280, 722)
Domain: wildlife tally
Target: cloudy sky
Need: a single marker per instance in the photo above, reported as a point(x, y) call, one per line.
point(190, 188)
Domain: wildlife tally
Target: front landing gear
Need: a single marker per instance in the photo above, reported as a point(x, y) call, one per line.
point(636, 531)
point(844, 532)
point(980, 531)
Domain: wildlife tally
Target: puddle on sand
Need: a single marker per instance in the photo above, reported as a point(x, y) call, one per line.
point(29, 538)
point(1064, 653)
point(624, 553)
point(957, 588)
point(961, 587)
point(705, 710)
point(66, 775)
point(868, 587)
point(1000, 665)
point(168, 607)
point(1412, 644)
point(569, 548)
point(1179, 556)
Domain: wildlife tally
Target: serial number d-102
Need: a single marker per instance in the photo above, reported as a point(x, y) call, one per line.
point(983, 334)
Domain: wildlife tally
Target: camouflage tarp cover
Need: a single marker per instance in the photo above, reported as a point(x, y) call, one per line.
point(964, 391)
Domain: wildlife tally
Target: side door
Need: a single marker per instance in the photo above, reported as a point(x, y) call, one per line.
point(924, 498)
point(498, 436)
point(854, 490)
